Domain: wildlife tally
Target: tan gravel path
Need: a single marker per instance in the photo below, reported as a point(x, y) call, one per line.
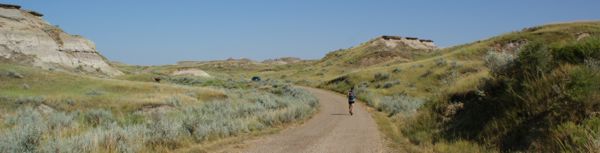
point(331, 130)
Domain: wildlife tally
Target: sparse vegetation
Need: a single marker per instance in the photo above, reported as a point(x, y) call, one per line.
point(79, 121)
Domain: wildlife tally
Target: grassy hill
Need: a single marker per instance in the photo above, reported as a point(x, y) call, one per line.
point(467, 97)
point(454, 65)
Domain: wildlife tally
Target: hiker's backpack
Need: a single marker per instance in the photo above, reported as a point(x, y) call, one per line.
point(351, 96)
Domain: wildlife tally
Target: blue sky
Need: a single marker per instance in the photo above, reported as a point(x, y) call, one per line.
point(163, 32)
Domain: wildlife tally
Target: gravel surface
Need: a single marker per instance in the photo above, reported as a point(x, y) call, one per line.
point(331, 130)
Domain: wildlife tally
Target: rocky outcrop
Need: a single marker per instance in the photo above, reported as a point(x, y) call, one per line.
point(582, 35)
point(411, 42)
point(191, 72)
point(26, 38)
point(282, 61)
point(511, 47)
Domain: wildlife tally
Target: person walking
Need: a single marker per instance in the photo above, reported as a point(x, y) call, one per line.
point(351, 100)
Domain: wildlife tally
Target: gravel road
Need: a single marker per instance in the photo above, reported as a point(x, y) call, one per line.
point(331, 130)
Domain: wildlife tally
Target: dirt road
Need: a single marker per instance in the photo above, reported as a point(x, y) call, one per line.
point(331, 130)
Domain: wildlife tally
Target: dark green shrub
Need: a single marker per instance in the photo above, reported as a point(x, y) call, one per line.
point(381, 76)
point(535, 58)
point(390, 84)
point(440, 62)
point(426, 74)
point(14, 74)
point(397, 70)
point(578, 52)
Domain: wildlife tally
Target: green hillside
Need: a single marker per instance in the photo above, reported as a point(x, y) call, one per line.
point(467, 97)
point(532, 90)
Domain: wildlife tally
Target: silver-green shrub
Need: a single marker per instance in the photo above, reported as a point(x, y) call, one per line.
point(60, 120)
point(26, 134)
point(96, 117)
point(399, 104)
point(165, 131)
point(498, 61)
point(98, 130)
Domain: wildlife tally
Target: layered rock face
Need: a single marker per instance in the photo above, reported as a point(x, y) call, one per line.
point(412, 42)
point(282, 61)
point(26, 38)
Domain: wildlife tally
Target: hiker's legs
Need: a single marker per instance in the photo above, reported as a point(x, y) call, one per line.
point(350, 107)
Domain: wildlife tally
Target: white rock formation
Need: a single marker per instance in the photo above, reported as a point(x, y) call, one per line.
point(282, 61)
point(395, 41)
point(25, 35)
point(192, 72)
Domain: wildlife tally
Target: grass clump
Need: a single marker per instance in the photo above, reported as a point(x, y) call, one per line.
point(30, 100)
point(381, 76)
point(397, 70)
point(388, 84)
point(392, 105)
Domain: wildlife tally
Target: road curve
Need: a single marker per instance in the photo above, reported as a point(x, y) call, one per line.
point(331, 130)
